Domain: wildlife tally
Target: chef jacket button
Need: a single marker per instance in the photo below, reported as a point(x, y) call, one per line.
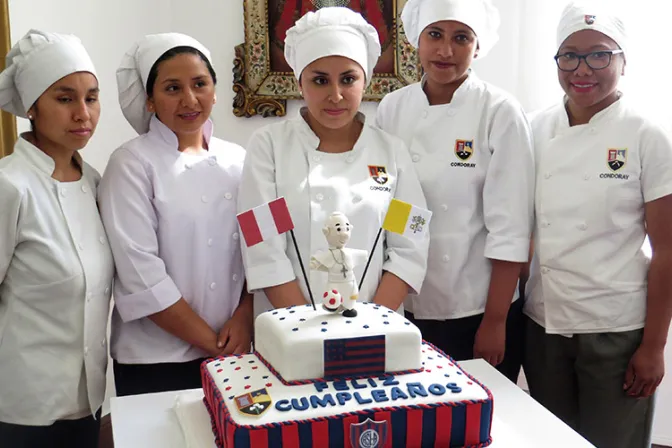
point(444, 207)
point(187, 166)
point(84, 189)
point(212, 285)
point(350, 159)
point(80, 246)
point(89, 296)
point(547, 175)
point(209, 241)
point(63, 193)
point(102, 343)
point(235, 277)
point(107, 290)
point(446, 258)
point(228, 196)
point(317, 158)
point(544, 270)
point(86, 351)
point(592, 130)
point(101, 240)
point(204, 199)
point(415, 158)
point(319, 196)
point(212, 161)
point(451, 113)
point(586, 176)
point(424, 114)
point(582, 226)
point(235, 236)
point(545, 224)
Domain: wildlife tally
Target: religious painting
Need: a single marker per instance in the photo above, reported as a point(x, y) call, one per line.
point(263, 81)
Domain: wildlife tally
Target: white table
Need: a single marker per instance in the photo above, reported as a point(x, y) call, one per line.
point(143, 421)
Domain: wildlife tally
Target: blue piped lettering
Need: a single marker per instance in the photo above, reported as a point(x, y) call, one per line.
point(300, 404)
point(356, 385)
point(361, 400)
point(398, 394)
point(379, 395)
point(416, 389)
point(372, 382)
point(283, 405)
point(390, 381)
point(342, 397)
point(321, 386)
point(341, 385)
point(315, 401)
point(437, 389)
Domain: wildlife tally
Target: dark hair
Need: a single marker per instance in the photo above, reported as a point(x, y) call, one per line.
point(151, 79)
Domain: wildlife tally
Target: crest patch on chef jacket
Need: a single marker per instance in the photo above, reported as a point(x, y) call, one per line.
point(379, 174)
point(464, 149)
point(590, 19)
point(616, 158)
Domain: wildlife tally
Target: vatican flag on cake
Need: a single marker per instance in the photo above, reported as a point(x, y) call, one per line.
point(407, 219)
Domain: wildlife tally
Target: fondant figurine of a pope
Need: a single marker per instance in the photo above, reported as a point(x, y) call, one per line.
point(339, 261)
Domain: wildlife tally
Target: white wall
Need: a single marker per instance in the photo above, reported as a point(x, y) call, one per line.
point(108, 28)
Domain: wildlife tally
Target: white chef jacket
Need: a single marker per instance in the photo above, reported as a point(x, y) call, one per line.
point(588, 274)
point(171, 220)
point(481, 199)
point(55, 276)
point(283, 160)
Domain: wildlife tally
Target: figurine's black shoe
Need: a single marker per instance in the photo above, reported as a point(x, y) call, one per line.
point(350, 313)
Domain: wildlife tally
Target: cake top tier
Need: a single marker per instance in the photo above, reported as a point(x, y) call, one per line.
point(301, 343)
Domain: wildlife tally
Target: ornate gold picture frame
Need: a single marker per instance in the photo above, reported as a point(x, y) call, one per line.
point(262, 80)
point(7, 120)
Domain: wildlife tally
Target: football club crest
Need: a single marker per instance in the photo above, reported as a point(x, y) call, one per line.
point(369, 434)
point(616, 158)
point(254, 403)
point(589, 19)
point(378, 173)
point(464, 149)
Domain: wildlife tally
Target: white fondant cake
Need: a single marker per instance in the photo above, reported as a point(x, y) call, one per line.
point(292, 340)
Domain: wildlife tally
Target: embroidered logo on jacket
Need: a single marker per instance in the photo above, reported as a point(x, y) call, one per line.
point(379, 174)
point(464, 149)
point(616, 158)
point(590, 19)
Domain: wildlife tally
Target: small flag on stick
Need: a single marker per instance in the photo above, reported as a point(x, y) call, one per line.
point(265, 221)
point(406, 219)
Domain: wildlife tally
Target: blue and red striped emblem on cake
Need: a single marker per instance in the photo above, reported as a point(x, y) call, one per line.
point(354, 356)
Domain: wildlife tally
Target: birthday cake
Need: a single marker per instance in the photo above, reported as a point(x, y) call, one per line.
point(320, 379)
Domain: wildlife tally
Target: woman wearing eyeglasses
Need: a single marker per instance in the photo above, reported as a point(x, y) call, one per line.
point(599, 309)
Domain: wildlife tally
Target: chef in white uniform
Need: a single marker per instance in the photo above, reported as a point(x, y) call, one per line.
point(330, 159)
point(55, 263)
point(599, 309)
point(472, 149)
point(168, 200)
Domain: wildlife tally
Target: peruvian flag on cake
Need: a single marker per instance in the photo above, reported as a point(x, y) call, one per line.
point(265, 221)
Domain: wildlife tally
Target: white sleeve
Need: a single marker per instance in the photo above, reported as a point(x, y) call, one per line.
point(508, 192)
point(142, 287)
point(656, 160)
point(10, 206)
point(381, 116)
point(407, 257)
point(266, 264)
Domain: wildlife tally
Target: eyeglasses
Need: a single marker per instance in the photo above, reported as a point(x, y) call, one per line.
point(597, 60)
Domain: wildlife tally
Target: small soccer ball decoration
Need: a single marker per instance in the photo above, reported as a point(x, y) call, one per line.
point(332, 300)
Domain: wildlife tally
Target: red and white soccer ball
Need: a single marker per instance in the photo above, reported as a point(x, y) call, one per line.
point(332, 300)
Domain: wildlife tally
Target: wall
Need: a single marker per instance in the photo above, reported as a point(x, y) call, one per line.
point(521, 59)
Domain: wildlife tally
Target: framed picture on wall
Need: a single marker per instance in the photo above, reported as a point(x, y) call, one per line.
point(262, 79)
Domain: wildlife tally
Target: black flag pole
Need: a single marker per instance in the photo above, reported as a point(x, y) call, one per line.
point(303, 270)
point(368, 262)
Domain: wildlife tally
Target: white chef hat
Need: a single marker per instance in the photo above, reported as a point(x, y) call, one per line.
point(332, 31)
point(586, 15)
point(479, 15)
point(34, 63)
point(134, 70)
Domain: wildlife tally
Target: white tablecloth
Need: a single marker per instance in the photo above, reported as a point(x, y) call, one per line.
point(151, 420)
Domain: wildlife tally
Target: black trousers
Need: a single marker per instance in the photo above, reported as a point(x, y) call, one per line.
point(456, 337)
point(134, 379)
point(81, 433)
